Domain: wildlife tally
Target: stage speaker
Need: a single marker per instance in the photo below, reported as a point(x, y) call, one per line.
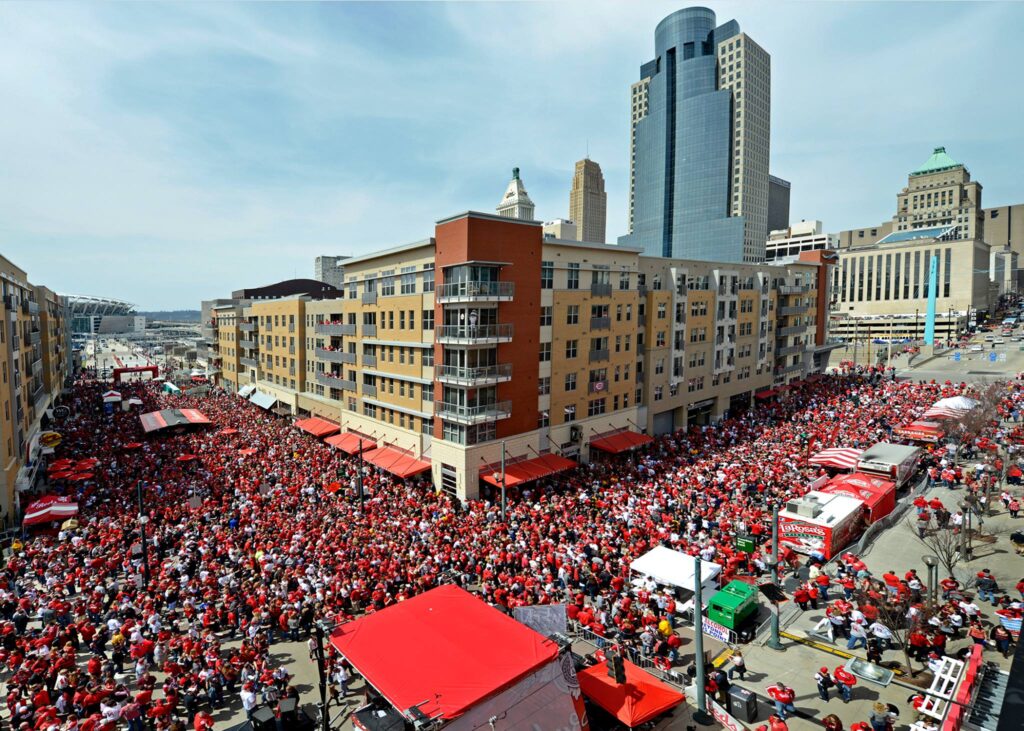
point(263, 719)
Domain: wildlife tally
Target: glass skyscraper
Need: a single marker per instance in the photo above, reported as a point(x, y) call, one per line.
point(699, 151)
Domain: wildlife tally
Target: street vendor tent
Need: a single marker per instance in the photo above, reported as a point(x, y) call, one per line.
point(443, 672)
point(840, 458)
point(156, 420)
point(246, 390)
point(640, 699)
point(951, 408)
point(169, 387)
point(263, 400)
point(50, 508)
point(674, 568)
point(111, 397)
point(877, 494)
point(921, 431)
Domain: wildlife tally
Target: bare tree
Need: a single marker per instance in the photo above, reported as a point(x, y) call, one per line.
point(894, 613)
point(943, 542)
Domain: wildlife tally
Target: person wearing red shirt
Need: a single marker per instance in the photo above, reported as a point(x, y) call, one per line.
point(783, 698)
point(845, 680)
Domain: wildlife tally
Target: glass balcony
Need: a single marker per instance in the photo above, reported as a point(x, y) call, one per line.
point(480, 376)
point(473, 414)
point(335, 356)
point(369, 331)
point(323, 328)
point(476, 292)
point(247, 327)
point(601, 289)
point(370, 361)
point(471, 334)
point(596, 356)
point(247, 344)
point(335, 381)
point(600, 323)
point(249, 362)
point(369, 298)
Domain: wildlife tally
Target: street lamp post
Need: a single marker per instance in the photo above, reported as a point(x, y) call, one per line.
point(359, 475)
point(143, 519)
point(932, 562)
point(321, 667)
point(701, 715)
point(774, 641)
point(503, 481)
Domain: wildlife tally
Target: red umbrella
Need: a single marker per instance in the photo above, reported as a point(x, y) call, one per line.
point(87, 464)
point(60, 465)
point(61, 475)
point(333, 487)
point(247, 452)
point(187, 458)
point(133, 445)
point(228, 431)
point(79, 476)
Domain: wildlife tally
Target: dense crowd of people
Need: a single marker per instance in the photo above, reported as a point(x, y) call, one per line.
point(244, 545)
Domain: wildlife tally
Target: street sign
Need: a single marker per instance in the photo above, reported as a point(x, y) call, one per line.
point(747, 545)
point(992, 357)
point(714, 629)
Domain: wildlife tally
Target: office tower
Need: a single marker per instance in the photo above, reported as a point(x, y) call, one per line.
point(588, 203)
point(329, 270)
point(516, 202)
point(700, 143)
point(778, 204)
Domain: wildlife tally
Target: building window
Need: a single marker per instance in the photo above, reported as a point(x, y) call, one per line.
point(387, 283)
point(428, 277)
point(545, 352)
point(571, 348)
point(597, 406)
point(572, 315)
point(408, 280)
point(428, 319)
point(545, 316)
point(570, 413)
point(574, 277)
point(547, 275)
point(570, 381)
point(624, 279)
point(544, 385)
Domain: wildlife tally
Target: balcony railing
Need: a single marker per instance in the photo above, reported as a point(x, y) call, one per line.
point(369, 331)
point(37, 366)
point(370, 361)
point(247, 327)
point(793, 289)
point(456, 334)
point(473, 414)
point(39, 398)
point(598, 386)
point(247, 344)
point(480, 376)
point(791, 330)
point(597, 356)
point(789, 350)
point(323, 328)
point(599, 289)
point(369, 390)
point(332, 381)
point(335, 356)
point(793, 310)
point(249, 362)
point(600, 323)
point(369, 298)
point(476, 292)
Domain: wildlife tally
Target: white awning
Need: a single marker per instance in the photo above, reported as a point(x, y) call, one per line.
point(246, 390)
point(673, 568)
point(263, 400)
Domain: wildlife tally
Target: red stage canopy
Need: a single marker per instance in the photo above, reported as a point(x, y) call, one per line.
point(156, 420)
point(530, 469)
point(620, 442)
point(396, 461)
point(921, 431)
point(438, 637)
point(640, 699)
point(317, 427)
point(838, 457)
point(349, 442)
point(877, 493)
point(49, 508)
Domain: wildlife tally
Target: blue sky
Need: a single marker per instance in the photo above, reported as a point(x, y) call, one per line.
point(166, 153)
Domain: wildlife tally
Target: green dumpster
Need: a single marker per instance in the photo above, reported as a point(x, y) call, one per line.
point(733, 604)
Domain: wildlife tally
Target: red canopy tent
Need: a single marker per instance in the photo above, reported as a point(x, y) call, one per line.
point(350, 442)
point(156, 420)
point(921, 431)
point(838, 457)
point(317, 427)
point(877, 493)
point(49, 508)
point(396, 461)
point(516, 473)
point(443, 673)
point(622, 441)
point(640, 699)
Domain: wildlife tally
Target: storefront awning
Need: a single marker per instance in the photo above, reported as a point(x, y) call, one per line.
point(350, 443)
point(246, 390)
point(529, 470)
point(620, 442)
point(317, 427)
point(767, 393)
point(263, 400)
point(396, 461)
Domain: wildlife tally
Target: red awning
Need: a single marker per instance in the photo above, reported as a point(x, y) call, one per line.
point(443, 673)
point(156, 420)
point(396, 461)
point(49, 508)
point(640, 699)
point(317, 427)
point(349, 443)
point(841, 458)
point(528, 470)
point(767, 393)
point(623, 441)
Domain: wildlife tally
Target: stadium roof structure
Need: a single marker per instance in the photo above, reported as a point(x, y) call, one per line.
point(84, 305)
point(936, 232)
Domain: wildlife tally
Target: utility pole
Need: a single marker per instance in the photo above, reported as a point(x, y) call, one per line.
point(701, 715)
point(142, 535)
point(774, 641)
point(359, 478)
point(321, 667)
